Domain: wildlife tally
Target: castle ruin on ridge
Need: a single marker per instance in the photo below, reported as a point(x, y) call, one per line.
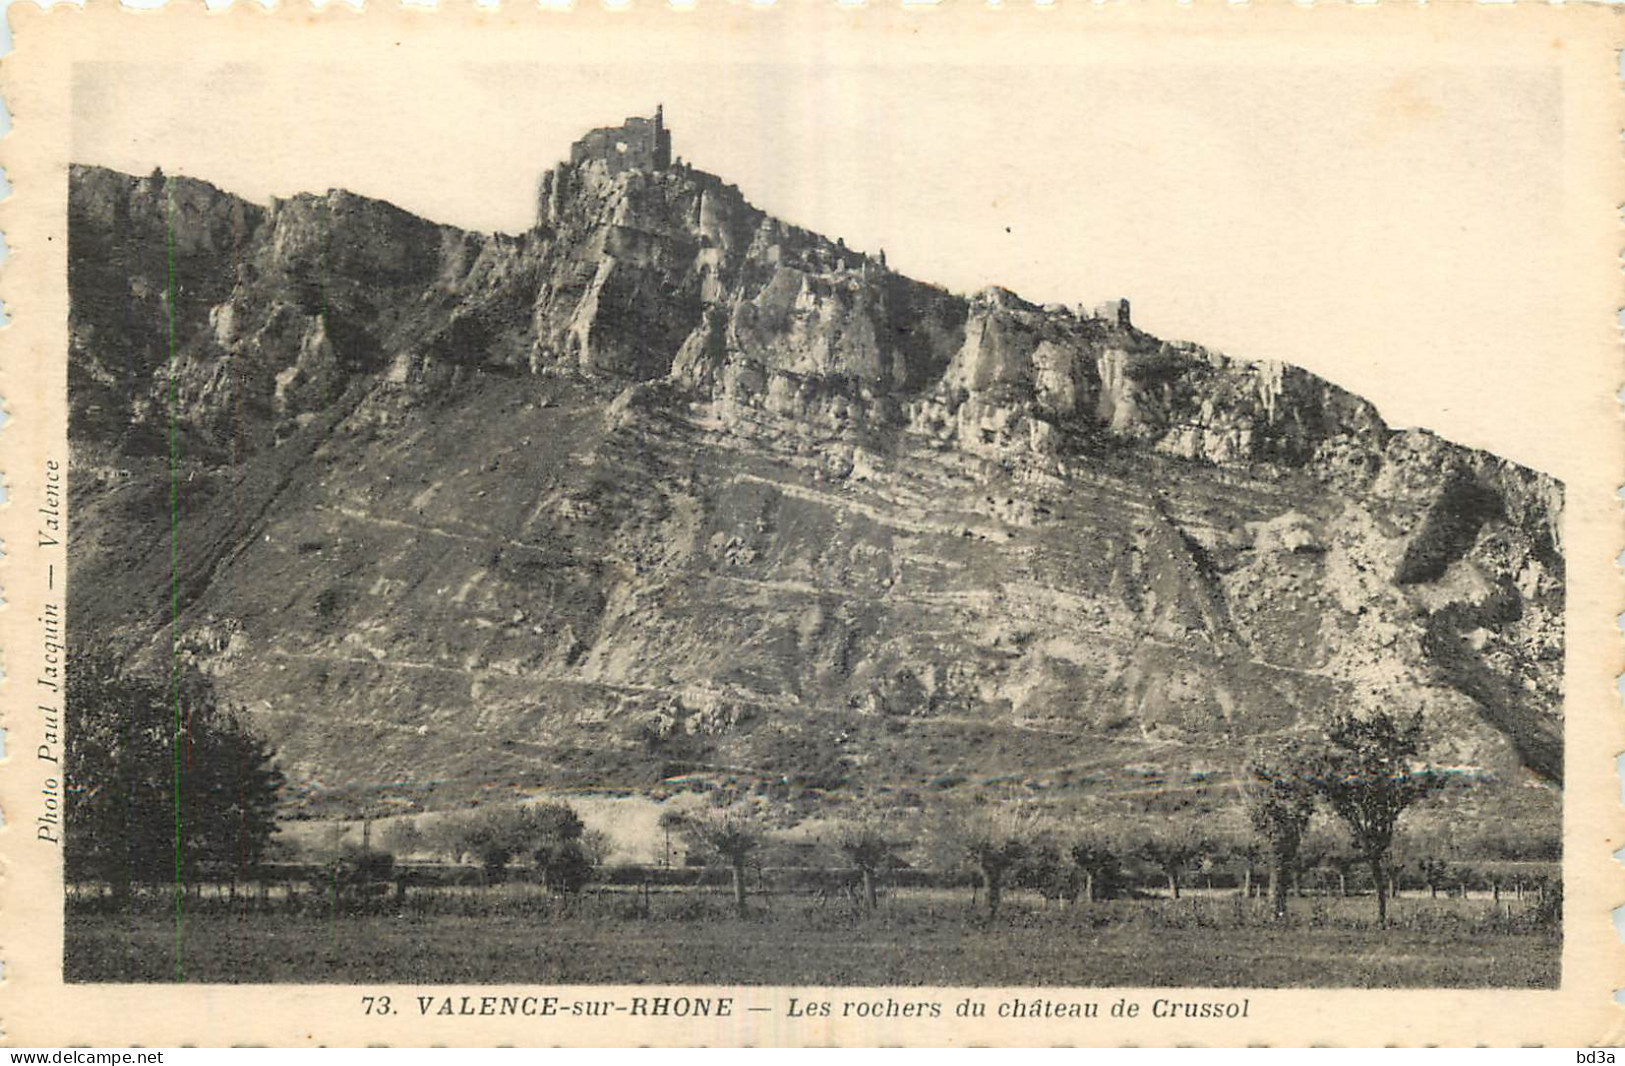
point(636, 144)
point(644, 144)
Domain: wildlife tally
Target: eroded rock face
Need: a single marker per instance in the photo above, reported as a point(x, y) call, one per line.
point(667, 483)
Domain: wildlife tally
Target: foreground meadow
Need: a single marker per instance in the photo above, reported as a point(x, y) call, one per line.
point(921, 938)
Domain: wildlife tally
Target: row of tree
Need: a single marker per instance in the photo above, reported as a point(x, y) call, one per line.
point(1366, 771)
point(163, 781)
point(550, 837)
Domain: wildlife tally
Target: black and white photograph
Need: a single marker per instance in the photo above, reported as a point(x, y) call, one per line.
point(887, 523)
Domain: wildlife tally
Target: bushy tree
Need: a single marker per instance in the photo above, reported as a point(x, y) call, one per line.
point(161, 779)
point(1513, 841)
point(550, 833)
point(1280, 804)
point(1367, 775)
point(356, 869)
point(492, 835)
point(554, 835)
point(564, 868)
point(1096, 860)
point(1047, 870)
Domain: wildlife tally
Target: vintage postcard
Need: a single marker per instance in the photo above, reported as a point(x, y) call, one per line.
point(1083, 524)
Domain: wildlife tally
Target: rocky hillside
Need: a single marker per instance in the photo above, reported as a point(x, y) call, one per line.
point(666, 486)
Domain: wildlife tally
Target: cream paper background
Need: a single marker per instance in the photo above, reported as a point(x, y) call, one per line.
point(1419, 203)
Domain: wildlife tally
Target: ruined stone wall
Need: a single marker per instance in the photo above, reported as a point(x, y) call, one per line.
point(1112, 311)
point(636, 144)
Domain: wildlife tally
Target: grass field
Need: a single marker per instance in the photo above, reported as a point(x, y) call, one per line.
point(1214, 942)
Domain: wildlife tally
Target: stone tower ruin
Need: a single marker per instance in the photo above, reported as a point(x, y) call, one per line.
point(636, 144)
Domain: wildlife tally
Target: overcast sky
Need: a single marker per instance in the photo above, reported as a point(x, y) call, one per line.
point(1399, 230)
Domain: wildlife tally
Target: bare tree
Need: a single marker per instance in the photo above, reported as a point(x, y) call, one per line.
point(731, 834)
point(403, 836)
point(1367, 776)
point(1250, 853)
point(1435, 874)
point(993, 840)
point(671, 821)
point(994, 858)
point(1172, 848)
point(870, 850)
point(447, 836)
point(597, 846)
point(1343, 861)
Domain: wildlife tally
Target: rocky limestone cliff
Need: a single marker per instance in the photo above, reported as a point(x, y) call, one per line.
point(666, 485)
